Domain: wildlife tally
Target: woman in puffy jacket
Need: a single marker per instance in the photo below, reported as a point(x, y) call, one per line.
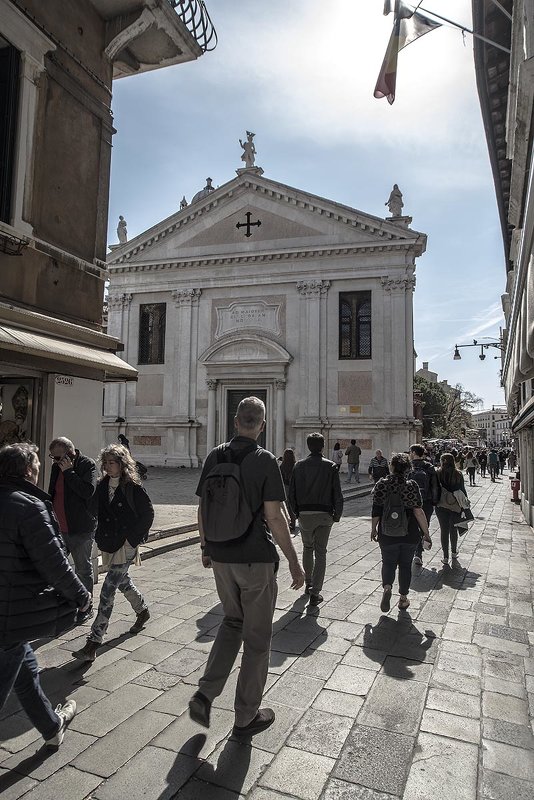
point(125, 515)
point(448, 509)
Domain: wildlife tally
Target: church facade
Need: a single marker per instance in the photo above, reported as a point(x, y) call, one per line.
point(260, 288)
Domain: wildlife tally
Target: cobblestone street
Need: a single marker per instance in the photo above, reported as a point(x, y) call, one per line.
point(436, 701)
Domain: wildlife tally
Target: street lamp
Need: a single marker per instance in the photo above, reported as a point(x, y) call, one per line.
point(483, 346)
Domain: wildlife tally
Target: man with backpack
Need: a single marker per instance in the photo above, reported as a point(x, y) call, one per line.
point(317, 501)
point(241, 516)
point(425, 476)
point(493, 464)
point(398, 522)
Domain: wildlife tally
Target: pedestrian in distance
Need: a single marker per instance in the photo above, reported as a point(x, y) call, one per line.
point(448, 509)
point(316, 497)
point(337, 456)
point(503, 455)
point(241, 516)
point(286, 469)
point(125, 515)
point(124, 441)
point(353, 453)
point(398, 522)
point(512, 460)
point(72, 487)
point(483, 462)
point(32, 560)
point(424, 474)
point(378, 466)
point(471, 464)
point(493, 464)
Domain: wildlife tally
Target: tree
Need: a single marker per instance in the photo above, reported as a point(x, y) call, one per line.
point(434, 401)
point(446, 411)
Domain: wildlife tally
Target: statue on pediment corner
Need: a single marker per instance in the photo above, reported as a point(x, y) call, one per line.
point(249, 150)
point(394, 203)
point(122, 232)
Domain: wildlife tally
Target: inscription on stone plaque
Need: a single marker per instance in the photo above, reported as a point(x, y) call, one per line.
point(254, 315)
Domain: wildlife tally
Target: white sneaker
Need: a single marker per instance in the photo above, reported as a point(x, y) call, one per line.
point(65, 714)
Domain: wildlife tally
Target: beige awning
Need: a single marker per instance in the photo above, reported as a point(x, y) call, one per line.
point(111, 367)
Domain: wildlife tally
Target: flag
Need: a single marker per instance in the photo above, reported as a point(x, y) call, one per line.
point(406, 29)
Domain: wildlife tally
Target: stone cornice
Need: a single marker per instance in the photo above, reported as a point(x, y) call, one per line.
point(406, 284)
point(328, 251)
point(329, 209)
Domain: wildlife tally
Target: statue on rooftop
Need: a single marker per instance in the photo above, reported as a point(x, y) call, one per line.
point(122, 233)
point(183, 203)
point(394, 203)
point(249, 150)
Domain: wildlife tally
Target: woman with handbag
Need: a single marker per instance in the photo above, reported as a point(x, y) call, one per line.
point(125, 515)
point(471, 465)
point(448, 509)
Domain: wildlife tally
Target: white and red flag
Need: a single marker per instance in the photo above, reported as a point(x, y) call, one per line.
point(409, 25)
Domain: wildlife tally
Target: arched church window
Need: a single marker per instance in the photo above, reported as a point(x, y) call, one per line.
point(152, 318)
point(354, 325)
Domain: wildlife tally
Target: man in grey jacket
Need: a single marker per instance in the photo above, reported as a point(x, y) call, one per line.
point(316, 498)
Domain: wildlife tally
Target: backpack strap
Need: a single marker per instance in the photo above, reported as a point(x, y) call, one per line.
point(229, 455)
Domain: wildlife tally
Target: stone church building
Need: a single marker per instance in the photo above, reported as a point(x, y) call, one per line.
point(259, 288)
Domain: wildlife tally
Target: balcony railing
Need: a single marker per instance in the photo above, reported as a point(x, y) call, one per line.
point(195, 17)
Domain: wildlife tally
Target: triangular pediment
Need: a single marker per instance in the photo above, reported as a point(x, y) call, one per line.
point(225, 223)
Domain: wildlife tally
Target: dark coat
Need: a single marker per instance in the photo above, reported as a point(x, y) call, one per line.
point(32, 558)
point(80, 486)
point(315, 486)
point(127, 518)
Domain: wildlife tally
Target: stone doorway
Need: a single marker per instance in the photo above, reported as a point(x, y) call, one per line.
point(234, 397)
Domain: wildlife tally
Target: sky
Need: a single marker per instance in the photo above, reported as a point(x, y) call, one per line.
point(301, 75)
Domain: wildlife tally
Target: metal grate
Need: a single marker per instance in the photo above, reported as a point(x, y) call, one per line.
point(152, 318)
point(355, 325)
point(195, 17)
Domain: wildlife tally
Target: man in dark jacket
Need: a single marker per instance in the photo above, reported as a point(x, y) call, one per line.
point(72, 486)
point(32, 559)
point(424, 474)
point(316, 498)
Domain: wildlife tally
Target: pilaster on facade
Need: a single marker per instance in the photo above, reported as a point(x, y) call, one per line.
point(313, 288)
point(186, 297)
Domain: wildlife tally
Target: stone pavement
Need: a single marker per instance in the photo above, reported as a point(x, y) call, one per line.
point(435, 701)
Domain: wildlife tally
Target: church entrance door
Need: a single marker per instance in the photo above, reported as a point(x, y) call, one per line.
point(232, 401)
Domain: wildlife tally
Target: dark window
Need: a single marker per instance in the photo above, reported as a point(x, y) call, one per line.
point(152, 333)
point(9, 97)
point(355, 325)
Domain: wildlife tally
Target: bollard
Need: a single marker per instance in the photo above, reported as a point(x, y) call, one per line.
point(515, 484)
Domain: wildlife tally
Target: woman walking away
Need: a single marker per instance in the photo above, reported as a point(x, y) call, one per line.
point(471, 465)
point(448, 509)
point(398, 522)
point(287, 466)
point(125, 515)
point(337, 456)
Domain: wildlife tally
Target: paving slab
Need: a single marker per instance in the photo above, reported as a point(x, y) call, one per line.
point(155, 774)
point(376, 759)
point(321, 732)
point(439, 762)
point(301, 774)
point(394, 705)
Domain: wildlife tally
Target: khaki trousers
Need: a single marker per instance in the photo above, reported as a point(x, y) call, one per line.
point(248, 596)
point(315, 527)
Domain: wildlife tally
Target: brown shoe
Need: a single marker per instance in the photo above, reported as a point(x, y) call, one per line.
point(263, 720)
point(87, 652)
point(141, 621)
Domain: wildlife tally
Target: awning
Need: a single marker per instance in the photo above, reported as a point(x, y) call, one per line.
point(109, 365)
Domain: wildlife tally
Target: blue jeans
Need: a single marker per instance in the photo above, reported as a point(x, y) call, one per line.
point(353, 469)
point(116, 578)
point(397, 554)
point(19, 671)
point(81, 546)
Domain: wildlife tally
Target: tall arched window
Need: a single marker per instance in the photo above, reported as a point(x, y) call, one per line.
point(354, 325)
point(152, 333)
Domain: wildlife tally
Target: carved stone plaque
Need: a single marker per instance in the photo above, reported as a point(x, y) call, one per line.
point(242, 315)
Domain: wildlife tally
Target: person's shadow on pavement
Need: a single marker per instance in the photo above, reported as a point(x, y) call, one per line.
point(303, 618)
point(397, 643)
point(229, 773)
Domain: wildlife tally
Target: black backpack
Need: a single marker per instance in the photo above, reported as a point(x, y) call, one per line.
point(394, 518)
point(421, 476)
point(226, 514)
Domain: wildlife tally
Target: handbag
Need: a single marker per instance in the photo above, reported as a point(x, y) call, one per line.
point(466, 516)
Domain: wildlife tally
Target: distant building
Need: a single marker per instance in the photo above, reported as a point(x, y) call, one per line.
point(506, 90)
point(494, 427)
point(427, 374)
point(260, 288)
point(57, 64)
